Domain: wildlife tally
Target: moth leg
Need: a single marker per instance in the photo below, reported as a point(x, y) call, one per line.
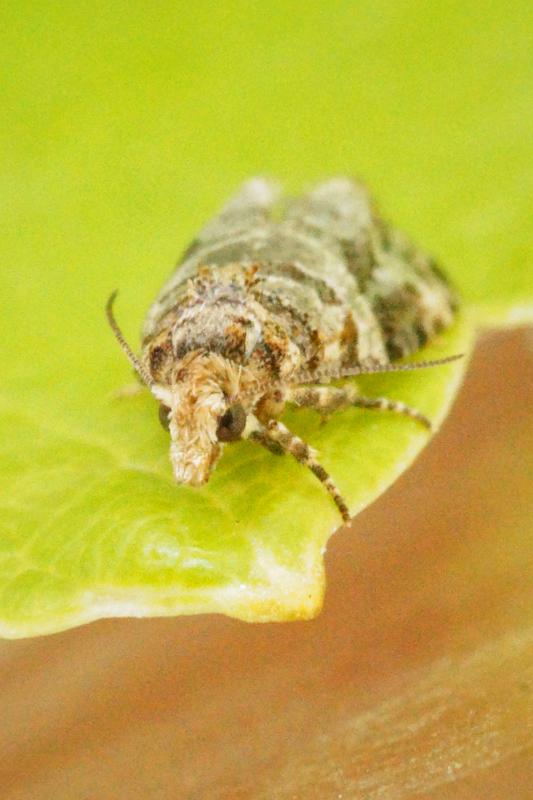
point(276, 434)
point(129, 390)
point(261, 437)
point(327, 399)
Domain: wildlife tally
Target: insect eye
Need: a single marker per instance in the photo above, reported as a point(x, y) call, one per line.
point(163, 416)
point(231, 424)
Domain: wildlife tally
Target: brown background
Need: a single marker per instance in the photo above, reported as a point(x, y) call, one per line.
point(415, 682)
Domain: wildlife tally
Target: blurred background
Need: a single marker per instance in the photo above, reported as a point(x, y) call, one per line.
point(126, 123)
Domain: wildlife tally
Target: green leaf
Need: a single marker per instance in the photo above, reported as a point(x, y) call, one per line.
point(125, 133)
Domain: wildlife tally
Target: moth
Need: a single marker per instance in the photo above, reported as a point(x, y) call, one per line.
point(273, 301)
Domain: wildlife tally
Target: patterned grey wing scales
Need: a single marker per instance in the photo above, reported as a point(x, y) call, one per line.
point(410, 296)
point(249, 209)
point(225, 238)
point(339, 214)
point(407, 294)
point(338, 210)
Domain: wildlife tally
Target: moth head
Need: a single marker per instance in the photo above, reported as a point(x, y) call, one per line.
point(204, 403)
point(205, 407)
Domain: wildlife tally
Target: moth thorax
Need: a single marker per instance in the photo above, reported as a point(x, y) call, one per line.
point(227, 327)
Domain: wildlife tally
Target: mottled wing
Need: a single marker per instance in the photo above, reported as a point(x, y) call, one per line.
point(227, 234)
point(407, 293)
point(337, 211)
point(351, 290)
point(249, 209)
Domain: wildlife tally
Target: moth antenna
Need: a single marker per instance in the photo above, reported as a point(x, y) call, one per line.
point(353, 371)
point(139, 368)
point(436, 362)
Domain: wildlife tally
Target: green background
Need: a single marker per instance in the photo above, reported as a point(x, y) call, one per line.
point(125, 126)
